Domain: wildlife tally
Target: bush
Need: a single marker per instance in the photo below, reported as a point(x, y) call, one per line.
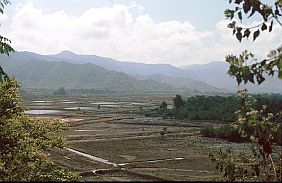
point(226, 132)
point(24, 141)
point(60, 91)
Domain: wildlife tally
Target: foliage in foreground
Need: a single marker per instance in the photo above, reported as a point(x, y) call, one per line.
point(259, 126)
point(263, 163)
point(232, 134)
point(244, 67)
point(24, 141)
point(227, 132)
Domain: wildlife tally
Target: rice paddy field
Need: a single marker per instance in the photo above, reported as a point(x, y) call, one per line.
point(110, 140)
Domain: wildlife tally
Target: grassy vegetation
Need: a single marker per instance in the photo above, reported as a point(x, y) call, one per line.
point(230, 133)
point(226, 132)
point(222, 109)
point(218, 108)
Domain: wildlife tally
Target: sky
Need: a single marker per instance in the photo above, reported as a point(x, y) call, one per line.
point(176, 32)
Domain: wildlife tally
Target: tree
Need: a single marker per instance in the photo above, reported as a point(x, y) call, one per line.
point(178, 102)
point(238, 64)
point(60, 91)
point(262, 164)
point(163, 105)
point(24, 141)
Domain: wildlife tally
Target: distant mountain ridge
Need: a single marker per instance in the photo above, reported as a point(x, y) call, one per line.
point(50, 72)
point(202, 77)
point(126, 67)
point(215, 73)
point(184, 83)
point(34, 73)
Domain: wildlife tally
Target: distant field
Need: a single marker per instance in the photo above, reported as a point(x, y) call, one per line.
point(127, 145)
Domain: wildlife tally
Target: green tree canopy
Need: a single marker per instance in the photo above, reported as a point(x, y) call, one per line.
point(263, 163)
point(24, 141)
point(244, 67)
point(60, 91)
point(178, 102)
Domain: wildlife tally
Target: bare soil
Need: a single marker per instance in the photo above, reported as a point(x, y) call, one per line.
point(131, 141)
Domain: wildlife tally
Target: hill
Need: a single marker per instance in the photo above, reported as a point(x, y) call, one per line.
point(33, 73)
point(199, 77)
point(184, 83)
point(130, 68)
point(215, 73)
point(53, 71)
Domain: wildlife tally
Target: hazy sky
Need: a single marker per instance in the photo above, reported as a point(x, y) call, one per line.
point(177, 32)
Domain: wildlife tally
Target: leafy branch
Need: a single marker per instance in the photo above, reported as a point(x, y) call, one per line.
point(5, 47)
point(263, 163)
point(256, 125)
point(248, 72)
point(268, 13)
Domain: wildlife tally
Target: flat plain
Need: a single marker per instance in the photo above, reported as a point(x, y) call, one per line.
point(109, 138)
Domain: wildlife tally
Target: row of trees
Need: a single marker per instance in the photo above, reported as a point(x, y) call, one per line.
point(219, 108)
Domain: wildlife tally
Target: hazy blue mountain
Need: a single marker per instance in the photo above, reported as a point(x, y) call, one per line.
point(212, 74)
point(126, 67)
point(185, 67)
point(215, 73)
point(183, 83)
point(33, 73)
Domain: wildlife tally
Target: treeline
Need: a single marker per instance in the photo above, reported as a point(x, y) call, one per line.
point(232, 134)
point(221, 108)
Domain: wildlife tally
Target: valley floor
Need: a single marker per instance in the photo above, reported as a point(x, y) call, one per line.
point(109, 140)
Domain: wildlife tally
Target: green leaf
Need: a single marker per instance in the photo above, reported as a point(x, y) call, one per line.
point(279, 65)
point(239, 36)
point(247, 33)
point(277, 12)
point(240, 15)
point(262, 63)
point(246, 7)
point(231, 25)
point(251, 77)
point(239, 80)
point(271, 25)
point(271, 73)
point(256, 34)
point(229, 13)
point(263, 27)
point(237, 1)
point(260, 79)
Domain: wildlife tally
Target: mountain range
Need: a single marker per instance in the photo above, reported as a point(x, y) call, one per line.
point(75, 71)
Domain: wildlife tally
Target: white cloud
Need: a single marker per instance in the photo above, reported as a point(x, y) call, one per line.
point(228, 44)
point(125, 33)
point(114, 32)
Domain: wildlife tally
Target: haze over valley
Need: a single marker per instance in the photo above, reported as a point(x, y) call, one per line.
point(74, 71)
point(147, 90)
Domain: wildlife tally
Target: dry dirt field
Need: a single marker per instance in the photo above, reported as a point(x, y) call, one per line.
point(110, 141)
